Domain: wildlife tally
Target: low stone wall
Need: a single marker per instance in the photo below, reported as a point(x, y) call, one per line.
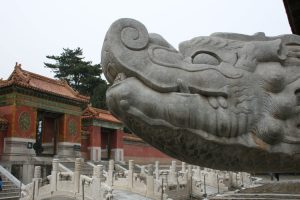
point(143, 153)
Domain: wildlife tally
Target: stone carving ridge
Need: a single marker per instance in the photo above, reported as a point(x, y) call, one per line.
point(227, 101)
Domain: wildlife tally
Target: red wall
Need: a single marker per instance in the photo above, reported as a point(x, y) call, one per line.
point(84, 147)
point(95, 136)
point(143, 153)
point(7, 113)
point(138, 151)
point(31, 132)
point(65, 134)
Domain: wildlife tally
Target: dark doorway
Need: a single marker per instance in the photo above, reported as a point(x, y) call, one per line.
point(106, 143)
point(47, 128)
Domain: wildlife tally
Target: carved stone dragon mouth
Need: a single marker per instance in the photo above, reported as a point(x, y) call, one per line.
point(227, 101)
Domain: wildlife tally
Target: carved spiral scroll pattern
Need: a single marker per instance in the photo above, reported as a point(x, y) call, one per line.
point(72, 127)
point(24, 121)
point(134, 35)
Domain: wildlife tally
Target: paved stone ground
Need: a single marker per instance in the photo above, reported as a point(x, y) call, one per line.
point(124, 195)
point(59, 198)
point(118, 195)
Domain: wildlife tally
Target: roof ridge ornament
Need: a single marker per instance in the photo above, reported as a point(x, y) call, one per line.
point(18, 66)
point(19, 75)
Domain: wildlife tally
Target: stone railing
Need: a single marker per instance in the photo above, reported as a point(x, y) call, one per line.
point(157, 184)
point(190, 181)
point(68, 184)
point(153, 182)
point(226, 179)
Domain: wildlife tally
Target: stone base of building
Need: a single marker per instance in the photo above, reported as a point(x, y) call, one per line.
point(117, 154)
point(95, 153)
point(17, 149)
point(68, 150)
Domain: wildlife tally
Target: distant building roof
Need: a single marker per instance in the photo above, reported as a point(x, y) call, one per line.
point(37, 82)
point(91, 112)
point(133, 138)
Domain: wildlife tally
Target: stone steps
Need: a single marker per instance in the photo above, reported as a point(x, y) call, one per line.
point(104, 163)
point(136, 169)
point(12, 189)
point(282, 187)
point(272, 190)
point(86, 169)
point(9, 195)
point(9, 191)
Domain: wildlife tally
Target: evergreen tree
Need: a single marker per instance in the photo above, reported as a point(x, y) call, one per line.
point(99, 94)
point(81, 75)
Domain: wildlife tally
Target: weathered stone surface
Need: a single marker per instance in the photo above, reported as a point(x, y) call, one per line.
point(226, 101)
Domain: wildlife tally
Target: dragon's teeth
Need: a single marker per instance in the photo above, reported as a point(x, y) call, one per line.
point(222, 102)
point(213, 102)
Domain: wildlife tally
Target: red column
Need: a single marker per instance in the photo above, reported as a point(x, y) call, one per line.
point(84, 145)
point(3, 132)
point(117, 139)
point(94, 144)
point(95, 136)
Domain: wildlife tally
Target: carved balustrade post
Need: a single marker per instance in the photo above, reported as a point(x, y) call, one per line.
point(189, 181)
point(130, 174)
point(157, 170)
point(183, 167)
point(150, 181)
point(96, 183)
point(143, 170)
point(189, 172)
point(197, 174)
point(76, 175)
point(54, 172)
point(101, 174)
point(36, 181)
point(110, 177)
point(172, 175)
point(196, 179)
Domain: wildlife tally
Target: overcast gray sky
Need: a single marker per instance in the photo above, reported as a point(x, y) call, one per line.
point(32, 29)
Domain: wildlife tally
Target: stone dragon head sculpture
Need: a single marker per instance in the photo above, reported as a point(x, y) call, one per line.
point(226, 101)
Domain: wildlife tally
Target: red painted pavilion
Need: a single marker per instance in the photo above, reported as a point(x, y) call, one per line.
point(41, 118)
point(104, 137)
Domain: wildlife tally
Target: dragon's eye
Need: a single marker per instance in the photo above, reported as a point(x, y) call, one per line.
point(205, 58)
